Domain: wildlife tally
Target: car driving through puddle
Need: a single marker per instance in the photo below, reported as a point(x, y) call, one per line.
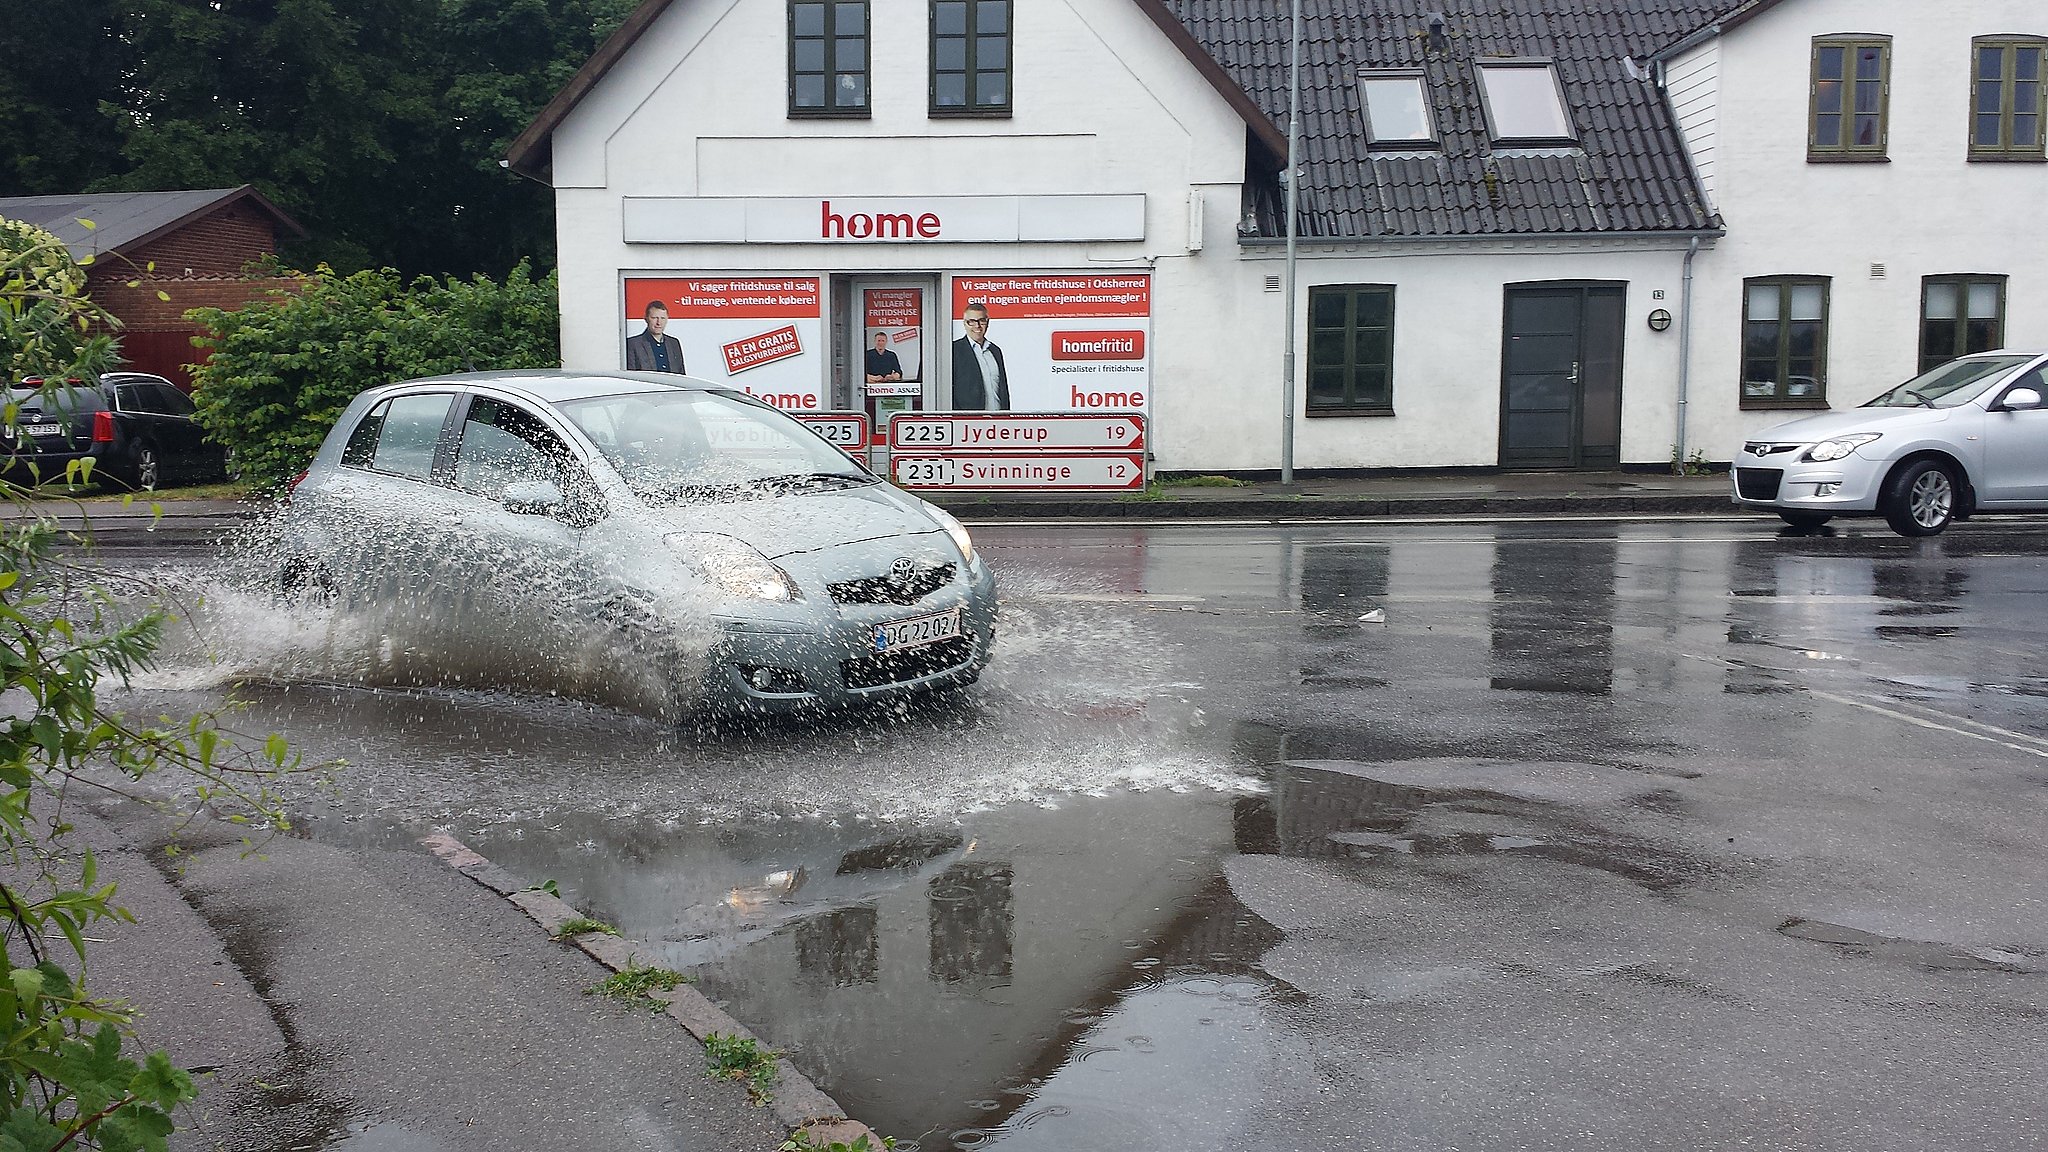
point(647, 539)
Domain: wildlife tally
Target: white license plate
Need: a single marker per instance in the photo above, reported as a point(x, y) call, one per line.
point(42, 429)
point(917, 631)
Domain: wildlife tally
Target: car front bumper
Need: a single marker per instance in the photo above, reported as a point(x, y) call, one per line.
point(832, 664)
point(1846, 487)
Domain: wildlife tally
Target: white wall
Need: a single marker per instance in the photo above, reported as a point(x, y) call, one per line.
point(1926, 212)
point(1448, 305)
point(1693, 81)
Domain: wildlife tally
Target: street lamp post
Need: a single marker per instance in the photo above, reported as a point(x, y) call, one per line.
point(1293, 133)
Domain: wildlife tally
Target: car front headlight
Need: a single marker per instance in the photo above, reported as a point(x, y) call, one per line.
point(955, 529)
point(733, 566)
point(1840, 446)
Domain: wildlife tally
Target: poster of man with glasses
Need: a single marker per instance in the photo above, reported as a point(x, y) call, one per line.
point(981, 383)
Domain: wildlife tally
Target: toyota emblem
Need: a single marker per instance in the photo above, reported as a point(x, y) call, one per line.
point(902, 570)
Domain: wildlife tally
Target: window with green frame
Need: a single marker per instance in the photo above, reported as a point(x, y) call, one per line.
point(828, 57)
point(1351, 349)
point(1849, 98)
point(1785, 342)
point(970, 57)
point(2009, 99)
point(1960, 315)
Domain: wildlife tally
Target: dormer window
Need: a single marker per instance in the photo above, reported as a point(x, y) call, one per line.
point(1524, 104)
point(1396, 106)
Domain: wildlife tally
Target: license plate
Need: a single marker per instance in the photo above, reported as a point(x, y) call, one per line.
point(917, 631)
point(42, 429)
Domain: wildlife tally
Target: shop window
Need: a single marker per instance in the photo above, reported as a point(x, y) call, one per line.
point(1785, 342)
point(1960, 315)
point(1851, 94)
point(1396, 106)
point(2009, 98)
point(970, 57)
point(1351, 350)
point(1524, 104)
point(828, 58)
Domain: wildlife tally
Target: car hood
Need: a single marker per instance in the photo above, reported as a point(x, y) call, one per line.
point(1827, 425)
point(780, 526)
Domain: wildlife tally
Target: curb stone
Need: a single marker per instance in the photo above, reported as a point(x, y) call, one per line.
point(796, 1103)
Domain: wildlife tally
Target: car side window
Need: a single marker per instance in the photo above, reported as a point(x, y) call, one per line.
point(502, 444)
point(171, 400)
point(362, 443)
point(412, 429)
point(136, 398)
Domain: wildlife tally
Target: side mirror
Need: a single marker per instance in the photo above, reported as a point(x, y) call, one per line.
point(533, 498)
point(2020, 400)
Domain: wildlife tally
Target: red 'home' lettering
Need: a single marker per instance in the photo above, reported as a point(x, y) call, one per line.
point(876, 225)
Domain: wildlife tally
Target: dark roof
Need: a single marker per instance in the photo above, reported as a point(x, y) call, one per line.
point(1629, 174)
point(531, 154)
point(126, 220)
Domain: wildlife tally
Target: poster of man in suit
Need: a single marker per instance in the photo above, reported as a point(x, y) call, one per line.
point(1071, 342)
point(981, 382)
point(760, 334)
point(654, 350)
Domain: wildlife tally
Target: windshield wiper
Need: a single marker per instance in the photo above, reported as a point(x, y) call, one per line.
point(818, 479)
point(1924, 401)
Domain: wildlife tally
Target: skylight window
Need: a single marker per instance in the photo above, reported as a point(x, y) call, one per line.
point(1523, 104)
point(1396, 109)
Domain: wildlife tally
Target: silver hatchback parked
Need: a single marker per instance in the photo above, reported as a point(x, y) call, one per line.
point(1969, 436)
point(651, 540)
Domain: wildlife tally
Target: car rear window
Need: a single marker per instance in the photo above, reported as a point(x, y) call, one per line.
point(62, 400)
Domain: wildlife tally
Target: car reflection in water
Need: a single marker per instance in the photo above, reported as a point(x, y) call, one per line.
point(645, 540)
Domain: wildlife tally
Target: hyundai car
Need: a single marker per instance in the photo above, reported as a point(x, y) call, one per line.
point(1966, 437)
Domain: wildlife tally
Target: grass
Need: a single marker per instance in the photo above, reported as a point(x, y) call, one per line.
point(581, 925)
point(1158, 489)
point(741, 1059)
point(114, 493)
point(636, 987)
point(801, 1141)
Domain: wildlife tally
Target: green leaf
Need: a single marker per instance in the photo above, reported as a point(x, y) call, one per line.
point(161, 1083)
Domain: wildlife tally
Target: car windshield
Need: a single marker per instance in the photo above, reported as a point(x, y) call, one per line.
point(1952, 385)
point(709, 445)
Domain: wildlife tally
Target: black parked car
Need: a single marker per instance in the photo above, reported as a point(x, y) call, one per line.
point(136, 428)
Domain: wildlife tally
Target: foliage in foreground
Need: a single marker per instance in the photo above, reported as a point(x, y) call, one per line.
point(65, 1080)
point(285, 366)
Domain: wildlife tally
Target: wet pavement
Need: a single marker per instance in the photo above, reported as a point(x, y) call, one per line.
point(1471, 836)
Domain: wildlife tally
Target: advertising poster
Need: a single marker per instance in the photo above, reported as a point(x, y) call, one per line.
point(892, 320)
point(761, 334)
point(1070, 343)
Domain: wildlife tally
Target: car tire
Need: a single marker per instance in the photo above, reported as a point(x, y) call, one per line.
point(1920, 498)
point(306, 583)
point(1807, 520)
point(149, 468)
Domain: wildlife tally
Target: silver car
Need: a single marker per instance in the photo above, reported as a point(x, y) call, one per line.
point(650, 540)
point(1968, 436)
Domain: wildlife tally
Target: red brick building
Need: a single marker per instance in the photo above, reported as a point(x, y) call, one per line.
point(195, 247)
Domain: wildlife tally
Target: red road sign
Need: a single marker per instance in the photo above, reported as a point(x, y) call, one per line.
point(1020, 471)
point(1018, 431)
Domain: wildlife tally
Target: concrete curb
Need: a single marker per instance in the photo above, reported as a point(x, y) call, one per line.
point(797, 1104)
point(1345, 507)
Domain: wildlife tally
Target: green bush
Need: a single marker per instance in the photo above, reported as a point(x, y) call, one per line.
point(284, 367)
point(47, 327)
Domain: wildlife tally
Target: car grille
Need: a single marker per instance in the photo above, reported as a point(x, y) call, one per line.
point(1758, 483)
point(909, 664)
point(1761, 449)
point(921, 583)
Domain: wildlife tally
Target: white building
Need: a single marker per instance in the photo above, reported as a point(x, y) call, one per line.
point(1499, 206)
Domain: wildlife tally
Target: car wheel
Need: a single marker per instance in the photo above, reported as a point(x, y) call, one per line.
point(1920, 499)
point(230, 467)
point(305, 583)
point(1805, 519)
point(149, 468)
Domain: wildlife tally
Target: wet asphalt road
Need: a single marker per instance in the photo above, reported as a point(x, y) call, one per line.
point(1539, 836)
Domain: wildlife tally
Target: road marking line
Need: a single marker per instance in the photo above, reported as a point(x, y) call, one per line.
point(1919, 722)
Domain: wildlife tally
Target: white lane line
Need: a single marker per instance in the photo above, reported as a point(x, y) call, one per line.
point(1982, 726)
point(1924, 723)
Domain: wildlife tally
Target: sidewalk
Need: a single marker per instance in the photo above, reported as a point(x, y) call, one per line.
point(1461, 494)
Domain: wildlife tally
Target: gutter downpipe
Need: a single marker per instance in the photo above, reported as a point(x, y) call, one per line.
point(1293, 133)
point(1684, 350)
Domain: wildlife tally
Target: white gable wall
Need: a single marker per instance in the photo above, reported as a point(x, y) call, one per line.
point(1103, 102)
point(1928, 211)
point(1692, 82)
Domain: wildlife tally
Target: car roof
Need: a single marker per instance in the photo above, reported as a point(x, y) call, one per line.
point(553, 386)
